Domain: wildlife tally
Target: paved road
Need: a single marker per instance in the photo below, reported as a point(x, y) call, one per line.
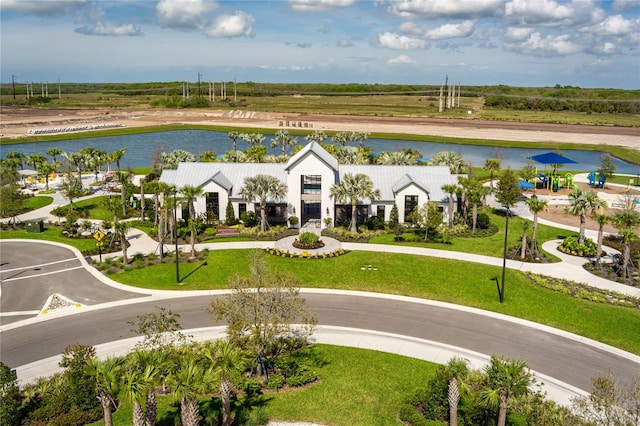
point(567, 358)
point(31, 272)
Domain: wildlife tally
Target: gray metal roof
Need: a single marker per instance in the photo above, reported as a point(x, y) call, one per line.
point(319, 151)
point(388, 179)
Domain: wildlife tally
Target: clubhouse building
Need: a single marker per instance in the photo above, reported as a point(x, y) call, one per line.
point(309, 175)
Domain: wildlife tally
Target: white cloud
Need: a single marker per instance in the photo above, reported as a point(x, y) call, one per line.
point(623, 5)
point(616, 25)
point(463, 29)
point(344, 43)
point(552, 13)
point(237, 25)
point(402, 59)
point(521, 33)
point(446, 8)
point(41, 8)
point(400, 42)
point(318, 5)
point(101, 29)
point(549, 45)
point(183, 13)
point(410, 27)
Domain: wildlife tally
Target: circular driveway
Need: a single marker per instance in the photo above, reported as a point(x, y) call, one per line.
point(31, 272)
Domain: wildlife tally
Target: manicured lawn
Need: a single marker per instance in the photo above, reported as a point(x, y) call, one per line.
point(51, 233)
point(417, 276)
point(358, 388)
point(35, 203)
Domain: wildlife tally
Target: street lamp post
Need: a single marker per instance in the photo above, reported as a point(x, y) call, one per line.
point(175, 233)
point(504, 255)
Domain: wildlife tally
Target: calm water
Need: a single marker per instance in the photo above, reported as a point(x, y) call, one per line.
point(142, 147)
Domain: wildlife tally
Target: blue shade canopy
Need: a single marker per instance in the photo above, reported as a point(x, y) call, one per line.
point(551, 158)
point(523, 184)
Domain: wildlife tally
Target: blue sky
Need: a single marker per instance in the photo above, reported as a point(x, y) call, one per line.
point(476, 42)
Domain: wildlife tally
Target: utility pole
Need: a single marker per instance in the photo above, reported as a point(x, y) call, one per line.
point(199, 75)
point(13, 85)
point(59, 91)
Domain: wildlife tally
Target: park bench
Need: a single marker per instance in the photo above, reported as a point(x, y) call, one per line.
point(226, 230)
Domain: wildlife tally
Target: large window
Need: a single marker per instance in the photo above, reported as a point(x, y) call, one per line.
point(380, 212)
point(311, 184)
point(213, 204)
point(410, 204)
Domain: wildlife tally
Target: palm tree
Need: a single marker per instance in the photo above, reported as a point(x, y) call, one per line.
point(226, 359)
point(340, 138)
point(506, 378)
point(191, 193)
point(77, 160)
point(492, 165)
point(17, 158)
point(171, 159)
point(45, 169)
point(318, 136)
point(625, 220)
point(351, 155)
point(536, 205)
point(234, 137)
point(450, 159)
point(123, 176)
point(284, 139)
point(192, 224)
point(149, 365)
point(253, 139)
point(189, 379)
point(401, 158)
point(450, 189)
point(263, 188)
point(121, 228)
point(135, 387)
point(455, 371)
point(107, 376)
point(602, 220)
point(34, 160)
point(580, 203)
point(354, 187)
point(116, 156)
point(359, 137)
point(53, 153)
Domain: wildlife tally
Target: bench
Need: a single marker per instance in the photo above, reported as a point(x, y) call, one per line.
point(226, 230)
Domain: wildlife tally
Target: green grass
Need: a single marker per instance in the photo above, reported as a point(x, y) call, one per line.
point(416, 276)
point(35, 203)
point(51, 233)
point(358, 388)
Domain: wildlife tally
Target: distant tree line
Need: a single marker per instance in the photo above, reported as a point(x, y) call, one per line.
point(563, 104)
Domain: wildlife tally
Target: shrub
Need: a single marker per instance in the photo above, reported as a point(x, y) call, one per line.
point(308, 238)
point(483, 221)
point(571, 246)
point(249, 219)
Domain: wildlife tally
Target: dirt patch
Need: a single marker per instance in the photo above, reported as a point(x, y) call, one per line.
point(16, 122)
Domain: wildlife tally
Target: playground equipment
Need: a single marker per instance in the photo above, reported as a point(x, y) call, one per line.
point(568, 180)
point(556, 183)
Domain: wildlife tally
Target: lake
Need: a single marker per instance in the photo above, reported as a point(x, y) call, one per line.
point(142, 148)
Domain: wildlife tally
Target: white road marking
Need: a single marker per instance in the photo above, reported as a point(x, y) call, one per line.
point(41, 275)
point(37, 266)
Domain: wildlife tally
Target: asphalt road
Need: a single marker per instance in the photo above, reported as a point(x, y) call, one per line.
point(565, 357)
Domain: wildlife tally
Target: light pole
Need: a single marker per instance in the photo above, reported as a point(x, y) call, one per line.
point(175, 234)
point(504, 255)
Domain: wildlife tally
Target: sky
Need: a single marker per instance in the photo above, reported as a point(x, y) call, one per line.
point(585, 43)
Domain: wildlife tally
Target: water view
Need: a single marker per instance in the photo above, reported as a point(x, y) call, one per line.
point(143, 147)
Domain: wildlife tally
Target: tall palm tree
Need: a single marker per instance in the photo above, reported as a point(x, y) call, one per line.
point(45, 169)
point(253, 139)
point(34, 160)
point(284, 139)
point(17, 158)
point(359, 137)
point(170, 160)
point(234, 137)
point(123, 177)
point(402, 158)
point(116, 156)
point(263, 188)
point(53, 153)
point(77, 160)
point(580, 204)
point(191, 192)
point(354, 188)
point(506, 378)
point(227, 359)
point(149, 364)
point(121, 227)
point(455, 371)
point(340, 138)
point(107, 375)
point(536, 205)
point(602, 220)
point(450, 189)
point(135, 387)
point(351, 155)
point(492, 165)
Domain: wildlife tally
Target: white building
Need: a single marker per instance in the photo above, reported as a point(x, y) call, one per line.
point(309, 176)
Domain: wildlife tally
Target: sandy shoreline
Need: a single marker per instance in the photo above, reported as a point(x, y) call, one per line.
point(17, 122)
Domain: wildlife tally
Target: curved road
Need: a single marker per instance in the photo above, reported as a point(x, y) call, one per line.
point(569, 358)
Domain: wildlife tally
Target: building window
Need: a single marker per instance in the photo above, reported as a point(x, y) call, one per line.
point(410, 204)
point(242, 208)
point(380, 212)
point(311, 184)
point(212, 202)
